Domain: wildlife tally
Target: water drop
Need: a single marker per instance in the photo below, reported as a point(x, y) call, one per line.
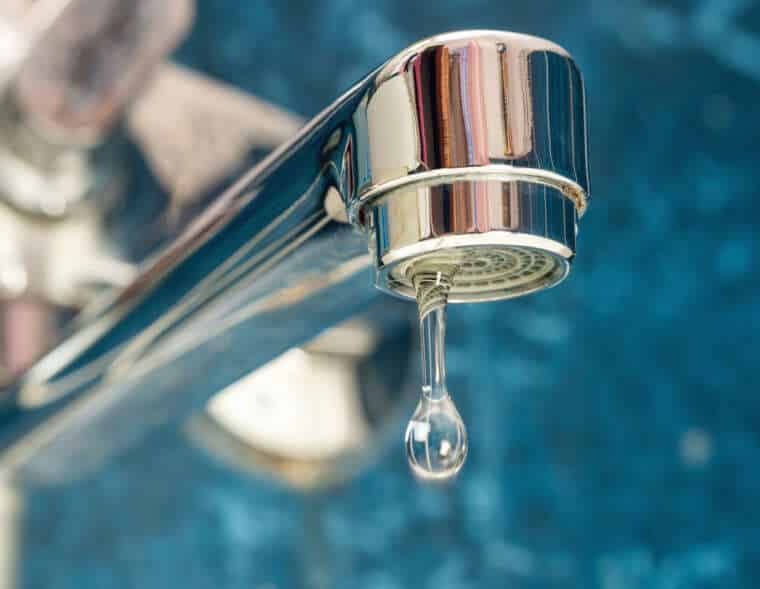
point(436, 438)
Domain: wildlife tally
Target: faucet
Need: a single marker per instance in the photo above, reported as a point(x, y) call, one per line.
point(467, 146)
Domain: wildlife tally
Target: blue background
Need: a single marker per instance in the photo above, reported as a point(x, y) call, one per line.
point(614, 421)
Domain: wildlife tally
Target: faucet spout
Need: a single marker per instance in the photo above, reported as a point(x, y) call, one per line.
point(466, 148)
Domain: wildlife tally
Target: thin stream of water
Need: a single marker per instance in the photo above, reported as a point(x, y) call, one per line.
point(436, 437)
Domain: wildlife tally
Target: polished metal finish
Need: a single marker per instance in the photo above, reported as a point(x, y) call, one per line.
point(474, 105)
point(467, 146)
point(506, 238)
point(486, 156)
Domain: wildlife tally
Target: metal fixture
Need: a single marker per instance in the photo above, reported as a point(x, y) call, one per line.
point(477, 152)
point(466, 146)
point(74, 218)
point(68, 72)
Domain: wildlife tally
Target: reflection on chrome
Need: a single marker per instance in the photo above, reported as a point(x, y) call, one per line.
point(314, 415)
point(467, 145)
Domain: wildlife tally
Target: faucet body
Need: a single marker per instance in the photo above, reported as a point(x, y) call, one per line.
point(471, 145)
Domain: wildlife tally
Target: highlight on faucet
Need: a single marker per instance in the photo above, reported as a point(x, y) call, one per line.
point(310, 295)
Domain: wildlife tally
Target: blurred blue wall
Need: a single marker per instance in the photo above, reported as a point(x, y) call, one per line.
point(614, 421)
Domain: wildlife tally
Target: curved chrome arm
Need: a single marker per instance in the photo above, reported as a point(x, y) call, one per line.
point(263, 269)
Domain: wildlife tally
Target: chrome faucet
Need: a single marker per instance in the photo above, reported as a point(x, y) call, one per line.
point(468, 146)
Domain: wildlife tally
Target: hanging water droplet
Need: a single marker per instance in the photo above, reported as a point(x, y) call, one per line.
point(436, 438)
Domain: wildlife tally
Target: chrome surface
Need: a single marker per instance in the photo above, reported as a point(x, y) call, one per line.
point(506, 238)
point(487, 153)
point(486, 130)
point(471, 105)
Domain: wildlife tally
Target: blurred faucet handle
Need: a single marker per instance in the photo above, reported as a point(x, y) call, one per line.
point(22, 24)
point(74, 68)
point(92, 61)
point(195, 131)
